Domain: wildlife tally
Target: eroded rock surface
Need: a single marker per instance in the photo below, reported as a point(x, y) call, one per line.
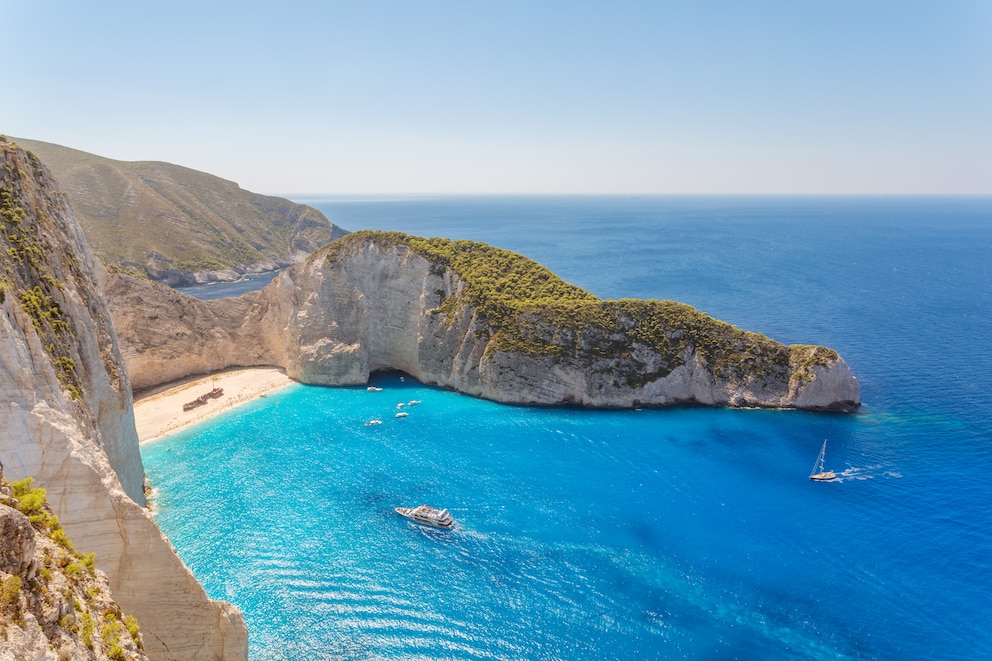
point(374, 301)
point(66, 418)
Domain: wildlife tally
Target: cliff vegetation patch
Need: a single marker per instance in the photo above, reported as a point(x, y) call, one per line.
point(44, 576)
point(33, 264)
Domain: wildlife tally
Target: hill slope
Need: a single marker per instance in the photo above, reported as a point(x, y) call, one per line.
point(178, 225)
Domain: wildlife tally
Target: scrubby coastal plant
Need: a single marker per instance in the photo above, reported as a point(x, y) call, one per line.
point(10, 598)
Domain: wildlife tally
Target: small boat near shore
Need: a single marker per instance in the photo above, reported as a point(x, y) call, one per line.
point(402, 414)
point(372, 423)
point(818, 474)
point(428, 516)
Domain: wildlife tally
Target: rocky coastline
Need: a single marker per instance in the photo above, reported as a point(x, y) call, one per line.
point(373, 301)
point(76, 339)
point(66, 418)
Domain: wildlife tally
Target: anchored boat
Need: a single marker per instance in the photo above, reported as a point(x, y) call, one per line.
point(427, 516)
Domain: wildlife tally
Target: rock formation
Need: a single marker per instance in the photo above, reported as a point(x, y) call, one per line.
point(475, 319)
point(54, 603)
point(66, 418)
point(171, 335)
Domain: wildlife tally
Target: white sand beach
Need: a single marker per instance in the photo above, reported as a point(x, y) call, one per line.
point(159, 411)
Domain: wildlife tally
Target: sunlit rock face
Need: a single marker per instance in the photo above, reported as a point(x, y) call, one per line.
point(374, 302)
point(378, 304)
point(66, 418)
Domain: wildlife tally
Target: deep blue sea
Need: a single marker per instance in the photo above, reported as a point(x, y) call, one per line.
point(653, 534)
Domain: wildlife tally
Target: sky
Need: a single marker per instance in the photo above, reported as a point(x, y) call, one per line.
point(535, 96)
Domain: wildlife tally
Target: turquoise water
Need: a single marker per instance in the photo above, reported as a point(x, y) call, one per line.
point(656, 534)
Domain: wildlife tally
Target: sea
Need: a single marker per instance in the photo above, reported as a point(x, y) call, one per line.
point(676, 533)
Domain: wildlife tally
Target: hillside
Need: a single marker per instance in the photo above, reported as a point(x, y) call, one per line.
point(178, 225)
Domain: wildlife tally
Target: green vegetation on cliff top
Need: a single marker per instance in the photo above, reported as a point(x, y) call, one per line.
point(530, 310)
point(162, 217)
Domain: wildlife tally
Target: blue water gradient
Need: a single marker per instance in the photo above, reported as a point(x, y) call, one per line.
point(655, 534)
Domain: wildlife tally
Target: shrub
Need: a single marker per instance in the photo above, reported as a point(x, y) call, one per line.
point(132, 628)
point(60, 538)
point(87, 629)
point(29, 501)
point(21, 487)
point(10, 596)
point(110, 634)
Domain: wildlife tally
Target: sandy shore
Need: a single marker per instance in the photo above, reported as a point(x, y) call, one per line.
point(159, 411)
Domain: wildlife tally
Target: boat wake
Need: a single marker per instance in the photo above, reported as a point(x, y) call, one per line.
point(855, 473)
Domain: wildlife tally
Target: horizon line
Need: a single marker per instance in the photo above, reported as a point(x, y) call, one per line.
point(629, 195)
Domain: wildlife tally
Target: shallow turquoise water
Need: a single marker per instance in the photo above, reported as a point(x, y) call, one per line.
point(661, 534)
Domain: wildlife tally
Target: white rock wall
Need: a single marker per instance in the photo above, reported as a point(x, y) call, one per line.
point(375, 308)
point(85, 453)
point(333, 322)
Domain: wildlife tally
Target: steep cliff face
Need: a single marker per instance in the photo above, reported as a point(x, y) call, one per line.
point(485, 322)
point(489, 323)
point(66, 418)
point(170, 335)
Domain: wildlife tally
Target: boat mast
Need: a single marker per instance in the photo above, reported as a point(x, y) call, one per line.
point(820, 460)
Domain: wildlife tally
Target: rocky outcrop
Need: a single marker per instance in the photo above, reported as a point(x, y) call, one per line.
point(488, 323)
point(481, 321)
point(54, 603)
point(66, 418)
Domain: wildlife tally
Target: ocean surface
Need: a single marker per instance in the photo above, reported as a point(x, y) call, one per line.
point(214, 290)
point(652, 534)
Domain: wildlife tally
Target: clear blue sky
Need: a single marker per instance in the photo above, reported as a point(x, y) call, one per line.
point(793, 96)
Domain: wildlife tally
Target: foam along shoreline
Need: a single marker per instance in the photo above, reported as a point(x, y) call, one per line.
point(159, 411)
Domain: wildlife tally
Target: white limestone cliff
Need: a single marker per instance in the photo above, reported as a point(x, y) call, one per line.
point(66, 419)
point(170, 335)
point(377, 304)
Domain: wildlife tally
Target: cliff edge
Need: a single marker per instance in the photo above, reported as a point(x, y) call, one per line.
point(66, 418)
point(479, 320)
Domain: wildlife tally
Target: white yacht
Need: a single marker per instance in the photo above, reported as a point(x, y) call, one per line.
point(427, 516)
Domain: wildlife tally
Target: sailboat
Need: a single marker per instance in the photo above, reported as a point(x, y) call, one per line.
point(818, 473)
